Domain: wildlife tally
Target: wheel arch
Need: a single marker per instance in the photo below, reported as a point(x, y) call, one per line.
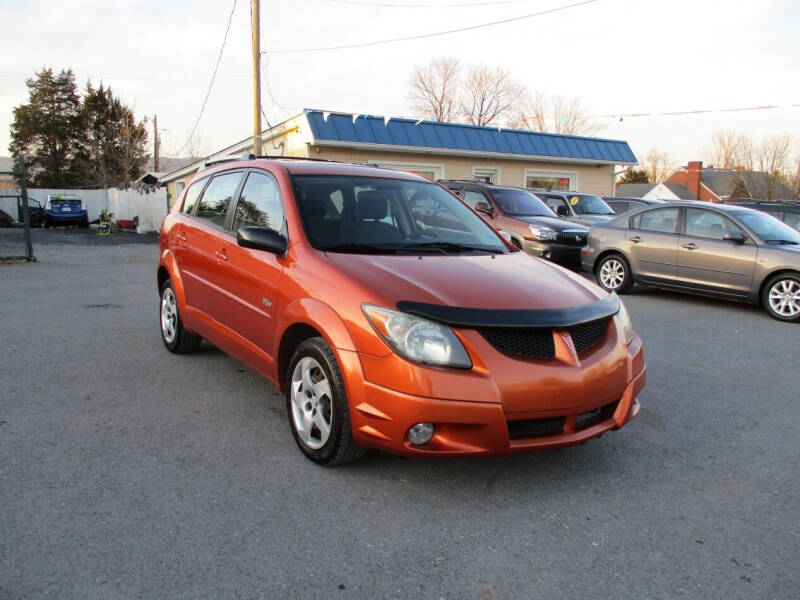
point(609, 252)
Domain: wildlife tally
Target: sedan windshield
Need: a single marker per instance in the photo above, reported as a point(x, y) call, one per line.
point(376, 215)
point(586, 204)
point(768, 228)
point(519, 203)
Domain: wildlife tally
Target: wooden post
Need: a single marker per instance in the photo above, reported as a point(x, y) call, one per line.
point(256, 25)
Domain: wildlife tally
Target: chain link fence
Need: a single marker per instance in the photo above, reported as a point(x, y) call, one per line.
point(15, 216)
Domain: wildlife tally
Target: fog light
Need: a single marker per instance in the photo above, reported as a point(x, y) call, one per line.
point(421, 433)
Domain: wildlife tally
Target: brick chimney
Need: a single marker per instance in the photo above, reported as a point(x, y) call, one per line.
point(693, 172)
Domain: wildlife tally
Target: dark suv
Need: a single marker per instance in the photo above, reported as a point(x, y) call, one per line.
point(788, 212)
point(533, 227)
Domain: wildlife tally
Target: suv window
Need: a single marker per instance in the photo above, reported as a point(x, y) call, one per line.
point(472, 198)
point(662, 220)
point(192, 194)
point(213, 206)
point(259, 204)
point(708, 224)
point(554, 202)
point(792, 220)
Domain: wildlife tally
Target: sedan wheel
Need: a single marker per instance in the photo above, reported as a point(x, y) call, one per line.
point(613, 274)
point(782, 298)
point(312, 407)
point(173, 334)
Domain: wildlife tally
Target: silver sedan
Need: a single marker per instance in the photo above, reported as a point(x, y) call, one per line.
point(721, 250)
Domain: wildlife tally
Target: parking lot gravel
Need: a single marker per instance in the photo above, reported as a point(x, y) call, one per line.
point(128, 472)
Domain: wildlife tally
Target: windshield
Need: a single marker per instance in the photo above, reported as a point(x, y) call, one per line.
point(768, 228)
point(586, 204)
point(519, 203)
point(375, 215)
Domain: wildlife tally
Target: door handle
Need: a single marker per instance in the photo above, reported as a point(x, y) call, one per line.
point(221, 255)
point(636, 239)
point(689, 246)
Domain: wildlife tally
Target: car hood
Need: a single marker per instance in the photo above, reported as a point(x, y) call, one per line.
point(552, 222)
point(501, 282)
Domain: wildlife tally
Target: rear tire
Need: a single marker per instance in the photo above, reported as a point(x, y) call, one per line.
point(781, 297)
point(317, 407)
point(613, 274)
point(175, 337)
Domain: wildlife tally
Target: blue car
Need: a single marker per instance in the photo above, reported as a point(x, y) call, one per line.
point(65, 210)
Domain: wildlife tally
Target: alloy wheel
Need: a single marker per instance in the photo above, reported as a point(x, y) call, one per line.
point(311, 403)
point(612, 274)
point(169, 315)
point(784, 298)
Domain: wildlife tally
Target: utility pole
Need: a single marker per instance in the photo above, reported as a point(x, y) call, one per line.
point(256, 25)
point(155, 144)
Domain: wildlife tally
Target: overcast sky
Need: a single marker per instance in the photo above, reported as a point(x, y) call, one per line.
point(619, 56)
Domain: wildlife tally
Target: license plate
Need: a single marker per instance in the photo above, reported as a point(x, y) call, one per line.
point(66, 209)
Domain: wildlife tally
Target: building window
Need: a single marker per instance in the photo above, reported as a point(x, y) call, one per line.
point(179, 185)
point(486, 174)
point(431, 171)
point(551, 180)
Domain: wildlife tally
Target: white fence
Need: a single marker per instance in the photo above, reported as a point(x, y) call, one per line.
point(150, 207)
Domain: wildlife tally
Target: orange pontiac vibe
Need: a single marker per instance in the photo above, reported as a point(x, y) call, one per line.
point(390, 314)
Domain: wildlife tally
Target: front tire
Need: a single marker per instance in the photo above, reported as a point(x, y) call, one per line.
point(613, 274)
point(781, 297)
point(175, 337)
point(316, 403)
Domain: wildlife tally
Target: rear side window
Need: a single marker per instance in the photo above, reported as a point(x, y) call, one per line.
point(472, 198)
point(792, 220)
point(192, 194)
point(663, 220)
point(213, 206)
point(259, 203)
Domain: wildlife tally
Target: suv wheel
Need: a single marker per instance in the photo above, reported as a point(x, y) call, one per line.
point(614, 274)
point(174, 336)
point(781, 297)
point(317, 405)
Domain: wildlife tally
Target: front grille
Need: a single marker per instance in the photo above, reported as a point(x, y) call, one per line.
point(530, 343)
point(588, 334)
point(597, 415)
point(572, 238)
point(535, 427)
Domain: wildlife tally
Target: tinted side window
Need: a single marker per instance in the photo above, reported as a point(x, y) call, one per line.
point(618, 206)
point(213, 206)
point(554, 202)
point(708, 224)
point(472, 198)
point(663, 220)
point(192, 194)
point(792, 220)
point(260, 203)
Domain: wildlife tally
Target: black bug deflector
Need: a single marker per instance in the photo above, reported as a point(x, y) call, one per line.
point(556, 318)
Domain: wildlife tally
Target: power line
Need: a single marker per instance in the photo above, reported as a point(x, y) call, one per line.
point(211, 84)
point(435, 34)
point(460, 5)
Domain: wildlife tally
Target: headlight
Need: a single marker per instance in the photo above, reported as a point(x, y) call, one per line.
point(542, 233)
point(625, 322)
point(418, 339)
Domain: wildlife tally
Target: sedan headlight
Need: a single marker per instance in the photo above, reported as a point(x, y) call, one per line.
point(624, 320)
point(418, 339)
point(542, 233)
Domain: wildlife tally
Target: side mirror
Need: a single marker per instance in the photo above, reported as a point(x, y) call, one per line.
point(483, 207)
point(562, 211)
point(262, 238)
point(737, 237)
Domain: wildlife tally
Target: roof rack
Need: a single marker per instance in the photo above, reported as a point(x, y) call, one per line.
point(466, 181)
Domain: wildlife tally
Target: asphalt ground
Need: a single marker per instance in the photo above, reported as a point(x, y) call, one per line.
point(128, 472)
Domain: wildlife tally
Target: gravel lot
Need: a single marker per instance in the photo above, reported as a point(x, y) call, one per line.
point(127, 472)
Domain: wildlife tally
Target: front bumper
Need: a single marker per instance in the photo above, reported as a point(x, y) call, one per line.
point(489, 421)
point(560, 254)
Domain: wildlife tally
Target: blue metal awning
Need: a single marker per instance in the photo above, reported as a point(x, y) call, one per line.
point(455, 138)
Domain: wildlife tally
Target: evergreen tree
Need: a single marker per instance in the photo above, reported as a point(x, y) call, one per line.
point(634, 176)
point(112, 152)
point(47, 130)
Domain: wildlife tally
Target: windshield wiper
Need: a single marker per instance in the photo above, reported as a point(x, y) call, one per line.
point(357, 249)
point(445, 247)
point(782, 242)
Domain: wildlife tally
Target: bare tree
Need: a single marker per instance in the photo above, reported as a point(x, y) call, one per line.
point(553, 114)
point(774, 152)
point(731, 149)
point(489, 95)
point(434, 89)
point(658, 165)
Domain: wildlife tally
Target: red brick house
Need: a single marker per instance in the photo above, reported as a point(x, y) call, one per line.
point(721, 185)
